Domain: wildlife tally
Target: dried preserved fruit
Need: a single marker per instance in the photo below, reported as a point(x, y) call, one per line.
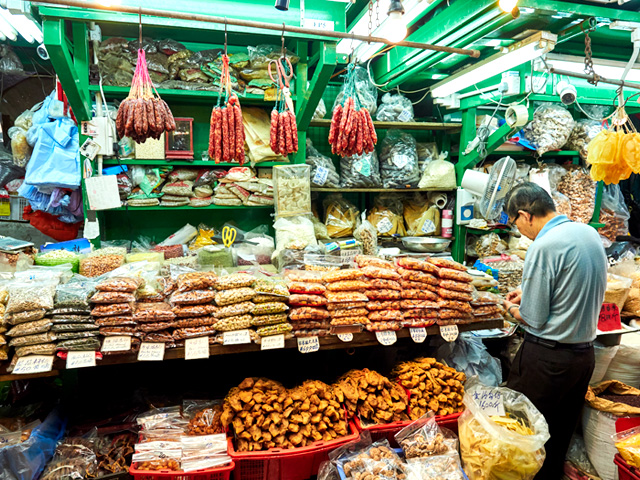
point(446, 263)
point(194, 322)
point(349, 321)
point(193, 332)
point(339, 306)
point(410, 304)
point(368, 260)
point(119, 330)
point(377, 272)
point(113, 297)
point(382, 326)
point(307, 288)
point(376, 283)
point(340, 297)
point(417, 276)
point(464, 307)
point(416, 264)
point(421, 313)
point(341, 275)
point(347, 286)
point(155, 326)
point(349, 312)
point(457, 286)
point(302, 276)
point(194, 310)
point(383, 294)
point(386, 316)
point(384, 305)
point(446, 313)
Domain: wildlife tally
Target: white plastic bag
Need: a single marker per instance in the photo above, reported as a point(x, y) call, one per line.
point(604, 356)
point(439, 174)
point(181, 237)
point(598, 427)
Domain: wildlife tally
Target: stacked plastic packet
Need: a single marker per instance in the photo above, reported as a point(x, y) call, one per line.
point(192, 305)
point(4, 296)
point(454, 292)
point(114, 304)
point(73, 325)
point(309, 315)
point(346, 300)
point(486, 306)
point(419, 289)
point(234, 300)
point(384, 293)
point(270, 308)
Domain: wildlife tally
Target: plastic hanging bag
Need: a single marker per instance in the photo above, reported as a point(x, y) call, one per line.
point(367, 91)
point(386, 215)
point(395, 108)
point(492, 446)
point(399, 160)
point(550, 128)
point(20, 148)
point(360, 171)
point(583, 132)
point(469, 355)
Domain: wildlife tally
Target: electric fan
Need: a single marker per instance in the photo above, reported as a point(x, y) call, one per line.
point(490, 189)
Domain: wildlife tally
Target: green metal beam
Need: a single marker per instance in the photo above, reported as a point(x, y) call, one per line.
point(580, 10)
point(81, 55)
point(60, 56)
point(310, 97)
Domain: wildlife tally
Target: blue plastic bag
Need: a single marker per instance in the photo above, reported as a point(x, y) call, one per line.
point(40, 117)
point(55, 160)
point(26, 460)
point(469, 355)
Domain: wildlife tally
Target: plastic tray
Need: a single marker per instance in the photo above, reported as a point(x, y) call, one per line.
point(389, 430)
point(285, 464)
point(625, 471)
point(217, 473)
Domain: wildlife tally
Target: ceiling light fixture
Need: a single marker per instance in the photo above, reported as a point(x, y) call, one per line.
point(282, 5)
point(396, 28)
point(507, 6)
point(7, 30)
point(510, 57)
point(575, 64)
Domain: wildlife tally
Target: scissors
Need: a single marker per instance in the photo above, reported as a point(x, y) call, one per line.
point(284, 80)
point(228, 236)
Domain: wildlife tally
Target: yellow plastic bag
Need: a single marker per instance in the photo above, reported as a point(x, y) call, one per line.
point(630, 148)
point(204, 238)
point(628, 444)
point(603, 148)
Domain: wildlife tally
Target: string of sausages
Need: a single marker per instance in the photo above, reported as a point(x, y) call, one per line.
point(283, 138)
point(226, 134)
point(143, 114)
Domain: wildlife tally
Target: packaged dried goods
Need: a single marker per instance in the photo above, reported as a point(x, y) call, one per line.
point(204, 418)
point(382, 326)
point(383, 305)
point(360, 171)
point(234, 295)
point(40, 349)
point(309, 313)
point(24, 296)
point(269, 308)
point(278, 329)
point(383, 294)
point(417, 276)
point(316, 332)
point(61, 336)
point(292, 190)
point(149, 315)
point(453, 295)
point(455, 305)
point(447, 313)
point(341, 297)
point(323, 171)
point(73, 294)
point(123, 321)
point(367, 235)
point(377, 272)
point(241, 308)
point(422, 217)
point(424, 438)
point(111, 310)
point(580, 189)
point(386, 216)
point(118, 330)
point(347, 286)
point(46, 337)
point(383, 283)
point(488, 310)
point(235, 280)
point(193, 297)
point(259, 298)
point(159, 337)
point(302, 276)
point(73, 327)
point(79, 344)
point(271, 287)
point(416, 264)
point(349, 321)
point(411, 304)
point(153, 306)
point(342, 305)
point(300, 300)
point(485, 298)
point(442, 262)
point(307, 288)
point(270, 319)
point(399, 160)
point(26, 316)
point(196, 281)
point(386, 315)
point(349, 312)
point(99, 265)
point(194, 310)
point(233, 323)
point(421, 313)
point(376, 461)
point(368, 260)
point(419, 295)
point(193, 332)
point(30, 328)
point(341, 216)
point(194, 322)
point(113, 297)
point(120, 284)
point(155, 326)
point(550, 128)
point(171, 251)
point(456, 275)
point(342, 275)
point(457, 286)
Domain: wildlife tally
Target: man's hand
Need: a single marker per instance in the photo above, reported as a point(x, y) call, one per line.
point(514, 297)
point(515, 313)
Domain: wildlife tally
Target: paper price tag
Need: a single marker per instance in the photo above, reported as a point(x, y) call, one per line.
point(541, 178)
point(428, 227)
point(308, 344)
point(238, 337)
point(150, 352)
point(272, 342)
point(384, 225)
point(363, 167)
point(195, 348)
point(33, 364)
point(401, 161)
point(116, 344)
point(345, 337)
point(490, 401)
point(89, 149)
point(320, 178)
point(449, 332)
point(418, 334)
point(405, 115)
point(387, 338)
point(81, 359)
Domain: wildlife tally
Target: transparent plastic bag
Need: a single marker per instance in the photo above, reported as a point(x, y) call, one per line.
point(74, 459)
point(394, 108)
point(295, 233)
point(438, 174)
point(20, 149)
point(399, 160)
point(292, 192)
point(360, 171)
point(323, 171)
point(583, 132)
point(550, 128)
point(386, 215)
point(367, 91)
point(421, 217)
point(26, 296)
point(628, 444)
point(367, 234)
point(613, 213)
point(341, 216)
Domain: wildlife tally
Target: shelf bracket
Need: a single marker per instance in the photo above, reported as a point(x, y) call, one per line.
point(310, 97)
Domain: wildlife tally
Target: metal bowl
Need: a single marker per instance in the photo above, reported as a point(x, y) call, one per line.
point(426, 244)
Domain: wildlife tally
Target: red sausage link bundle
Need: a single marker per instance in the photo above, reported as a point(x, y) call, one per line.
point(352, 131)
point(284, 132)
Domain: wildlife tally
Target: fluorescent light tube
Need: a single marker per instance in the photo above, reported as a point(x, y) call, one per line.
point(514, 55)
point(606, 68)
point(16, 22)
point(7, 30)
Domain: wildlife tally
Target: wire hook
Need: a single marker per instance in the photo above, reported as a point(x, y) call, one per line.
point(282, 51)
point(140, 27)
point(225, 36)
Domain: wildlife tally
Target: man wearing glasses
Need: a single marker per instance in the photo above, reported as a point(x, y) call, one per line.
point(558, 304)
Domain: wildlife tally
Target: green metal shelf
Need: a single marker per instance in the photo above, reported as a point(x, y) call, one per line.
point(480, 231)
point(326, 123)
point(193, 95)
point(377, 190)
point(189, 207)
point(186, 163)
point(529, 153)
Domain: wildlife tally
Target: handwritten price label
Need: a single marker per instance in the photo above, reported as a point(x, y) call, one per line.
point(449, 332)
point(387, 338)
point(320, 178)
point(238, 337)
point(195, 348)
point(419, 334)
point(345, 337)
point(308, 344)
point(116, 344)
point(151, 352)
point(81, 359)
point(490, 401)
point(33, 364)
point(272, 342)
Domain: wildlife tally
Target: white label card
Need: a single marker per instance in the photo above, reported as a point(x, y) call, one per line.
point(384, 225)
point(401, 161)
point(405, 115)
point(150, 352)
point(33, 364)
point(81, 359)
point(490, 401)
point(237, 337)
point(320, 178)
point(428, 227)
point(345, 337)
point(418, 334)
point(102, 192)
point(195, 348)
point(272, 342)
point(449, 332)
point(387, 338)
point(319, 24)
point(541, 178)
point(308, 344)
point(116, 344)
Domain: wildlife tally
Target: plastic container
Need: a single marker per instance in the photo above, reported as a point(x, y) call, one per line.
point(217, 473)
point(389, 430)
point(16, 205)
point(625, 471)
point(285, 464)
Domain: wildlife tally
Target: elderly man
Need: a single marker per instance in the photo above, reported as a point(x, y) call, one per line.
point(563, 285)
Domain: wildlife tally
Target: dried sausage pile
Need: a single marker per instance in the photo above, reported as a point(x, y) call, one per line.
point(143, 114)
point(226, 134)
point(284, 132)
point(352, 131)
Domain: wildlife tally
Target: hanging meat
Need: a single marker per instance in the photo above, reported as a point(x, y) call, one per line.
point(143, 114)
point(352, 131)
point(284, 127)
point(226, 134)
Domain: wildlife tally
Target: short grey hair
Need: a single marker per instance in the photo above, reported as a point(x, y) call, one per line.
point(531, 198)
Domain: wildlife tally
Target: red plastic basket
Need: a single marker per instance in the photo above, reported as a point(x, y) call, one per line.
point(285, 464)
point(625, 471)
point(217, 473)
point(389, 430)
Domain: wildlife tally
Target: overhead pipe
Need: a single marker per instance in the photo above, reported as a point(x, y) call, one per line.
point(253, 24)
point(599, 79)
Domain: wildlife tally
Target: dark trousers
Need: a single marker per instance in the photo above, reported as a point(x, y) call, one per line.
point(555, 380)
